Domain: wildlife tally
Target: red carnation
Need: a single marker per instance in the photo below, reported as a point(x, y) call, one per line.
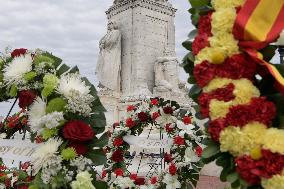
point(215, 127)
point(154, 180)
point(186, 120)
point(172, 169)
point(155, 115)
point(130, 108)
point(198, 151)
point(200, 42)
point(179, 140)
point(78, 130)
point(168, 110)
point(18, 52)
point(139, 181)
point(104, 174)
point(115, 125)
point(133, 176)
point(204, 24)
point(142, 116)
point(204, 73)
point(26, 98)
point(119, 172)
point(130, 123)
point(168, 157)
point(117, 156)
point(80, 148)
point(169, 128)
point(118, 142)
point(154, 101)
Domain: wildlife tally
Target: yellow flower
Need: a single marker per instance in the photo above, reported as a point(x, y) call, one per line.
point(256, 153)
point(244, 91)
point(204, 54)
point(242, 141)
point(217, 56)
point(218, 109)
point(216, 83)
point(219, 4)
point(274, 140)
point(276, 182)
point(223, 20)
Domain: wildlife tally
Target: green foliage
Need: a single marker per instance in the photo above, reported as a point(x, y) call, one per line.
point(43, 59)
point(13, 91)
point(97, 156)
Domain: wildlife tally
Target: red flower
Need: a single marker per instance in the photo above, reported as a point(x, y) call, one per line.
point(155, 115)
point(154, 180)
point(25, 165)
point(168, 157)
point(142, 116)
point(116, 124)
point(179, 140)
point(154, 101)
point(204, 73)
point(168, 110)
point(130, 108)
point(200, 42)
point(78, 130)
point(215, 127)
point(169, 128)
point(133, 176)
point(104, 174)
point(139, 181)
point(204, 24)
point(198, 151)
point(18, 52)
point(80, 148)
point(130, 123)
point(172, 169)
point(119, 172)
point(118, 142)
point(186, 120)
point(117, 156)
point(26, 98)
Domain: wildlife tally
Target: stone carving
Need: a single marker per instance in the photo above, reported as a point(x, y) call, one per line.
point(109, 60)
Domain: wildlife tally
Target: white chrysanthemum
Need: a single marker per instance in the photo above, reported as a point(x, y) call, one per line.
point(70, 83)
point(83, 181)
point(15, 70)
point(36, 112)
point(45, 152)
point(124, 182)
point(171, 181)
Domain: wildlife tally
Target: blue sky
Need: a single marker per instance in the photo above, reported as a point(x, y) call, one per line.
point(70, 29)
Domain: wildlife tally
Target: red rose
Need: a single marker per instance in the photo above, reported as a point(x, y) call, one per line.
point(78, 130)
point(133, 176)
point(142, 116)
point(154, 101)
point(130, 123)
point(169, 128)
point(168, 110)
point(119, 172)
point(130, 108)
point(198, 151)
point(80, 148)
point(186, 120)
point(154, 180)
point(155, 115)
point(118, 142)
point(18, 52)
point(200, 42)
point(26, 98)
point(139, 181)
point(168, 157)
point(172, 169)
point(117, 156)
point(179, 140)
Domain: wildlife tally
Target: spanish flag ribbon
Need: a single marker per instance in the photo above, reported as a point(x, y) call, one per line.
point(259, 23)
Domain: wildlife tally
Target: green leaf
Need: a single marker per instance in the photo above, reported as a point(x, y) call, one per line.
point(211, 151)
point(56, 61)
point(74, 70)
point(101, 142)
point(187, 44)
point(100, 184)
point(97, 156)
point(63, 68)
point(199, 3)
point(232, 177)
point(194, 92)
point(192, 34)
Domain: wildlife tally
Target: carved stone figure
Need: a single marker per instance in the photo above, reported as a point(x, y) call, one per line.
point(109, 60)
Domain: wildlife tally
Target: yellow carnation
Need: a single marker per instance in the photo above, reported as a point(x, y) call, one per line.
point(276, 182)
point(218, 109)
point(244, 91)
point(219, 4)
point(223, 20)
point(216, 84)
point(242, 141)
point(225, 42)
point(274, 140)
point(204, 54)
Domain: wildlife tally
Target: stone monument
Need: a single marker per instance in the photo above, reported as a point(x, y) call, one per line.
point(137, 58)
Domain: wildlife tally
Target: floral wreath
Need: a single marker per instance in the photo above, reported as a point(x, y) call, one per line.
point(233, 89)
point(183, 160)
point(60, 110)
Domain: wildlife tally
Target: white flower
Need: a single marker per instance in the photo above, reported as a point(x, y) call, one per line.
point(165, 119)
point(190, 156)
point(187, 128)
point(72, 82)
point(83, 181)
point(45, 152)
point(14, 71)
point(171, 181)
point(13, 178)
point(124, 182)
point(150, 186)
point(3, 135)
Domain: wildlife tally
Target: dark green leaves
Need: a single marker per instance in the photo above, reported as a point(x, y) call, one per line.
point(211, 150)
point(199, 3)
